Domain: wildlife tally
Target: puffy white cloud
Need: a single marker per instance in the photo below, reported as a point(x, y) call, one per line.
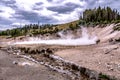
point(6, 12)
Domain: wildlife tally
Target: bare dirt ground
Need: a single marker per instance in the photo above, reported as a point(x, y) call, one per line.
point(13, 67)
point(103, 58)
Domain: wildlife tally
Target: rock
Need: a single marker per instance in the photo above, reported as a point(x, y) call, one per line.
point(43, 51)
point(74, 67)
point(98, 41)
point(111, 69)
point(32, 52)
point(111, 40)
point(49, 51)
point(15, 62)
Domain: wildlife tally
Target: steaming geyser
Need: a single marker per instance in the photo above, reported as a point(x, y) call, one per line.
point(84, 40)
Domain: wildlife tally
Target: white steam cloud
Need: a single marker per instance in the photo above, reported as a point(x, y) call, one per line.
point(85, 39)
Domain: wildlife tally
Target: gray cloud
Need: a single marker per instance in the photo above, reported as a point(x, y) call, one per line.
point(39, 3)
point(5, 24)
point(4, 21)
point(37, 6)
point(32, 17)
point(1, 11)
point(67, 8)
point(49, 0)
point(10, 3)
point(55, 1)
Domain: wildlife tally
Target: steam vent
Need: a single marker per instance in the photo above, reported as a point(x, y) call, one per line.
point(59, 40)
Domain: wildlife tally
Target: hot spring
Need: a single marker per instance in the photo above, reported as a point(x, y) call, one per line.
point(85, 39)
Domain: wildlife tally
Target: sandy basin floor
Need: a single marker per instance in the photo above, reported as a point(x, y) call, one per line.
point(102, 58)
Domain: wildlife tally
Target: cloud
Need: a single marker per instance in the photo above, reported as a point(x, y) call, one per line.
point(16, 12)
point(66, 8)
point(6, 12)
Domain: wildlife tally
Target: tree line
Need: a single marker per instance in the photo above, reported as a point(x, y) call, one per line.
point(100, 15)
point(31, 29)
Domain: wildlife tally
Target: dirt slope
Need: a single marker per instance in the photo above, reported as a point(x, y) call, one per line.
point(104, 33)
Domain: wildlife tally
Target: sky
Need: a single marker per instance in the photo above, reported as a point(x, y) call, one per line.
point(14, 13)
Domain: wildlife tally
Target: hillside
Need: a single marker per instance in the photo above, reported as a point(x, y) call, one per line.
point(66, 25)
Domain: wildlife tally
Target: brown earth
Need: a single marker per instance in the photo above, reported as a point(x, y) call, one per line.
point(13, 67)
point(103, 58)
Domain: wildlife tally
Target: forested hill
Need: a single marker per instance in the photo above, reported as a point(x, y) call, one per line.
point(100, 15)
point(94, 16)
